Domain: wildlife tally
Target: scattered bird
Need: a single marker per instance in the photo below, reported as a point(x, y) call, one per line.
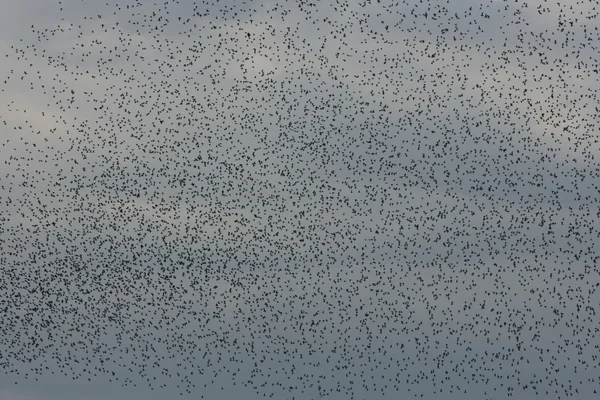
point(306, 200)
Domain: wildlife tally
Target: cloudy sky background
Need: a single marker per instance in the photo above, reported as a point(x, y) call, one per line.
point(218, 165)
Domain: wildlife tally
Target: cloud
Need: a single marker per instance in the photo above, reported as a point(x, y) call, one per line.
point(10, 395)
point(330, 158)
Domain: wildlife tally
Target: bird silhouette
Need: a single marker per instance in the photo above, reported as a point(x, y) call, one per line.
point(302, 200)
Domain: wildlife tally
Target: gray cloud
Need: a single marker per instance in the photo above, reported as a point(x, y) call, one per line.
point(339, 195)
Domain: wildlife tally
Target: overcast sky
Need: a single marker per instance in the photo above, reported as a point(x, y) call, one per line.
point(333, 200)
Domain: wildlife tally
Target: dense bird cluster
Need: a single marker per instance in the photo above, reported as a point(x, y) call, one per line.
point(336, 200)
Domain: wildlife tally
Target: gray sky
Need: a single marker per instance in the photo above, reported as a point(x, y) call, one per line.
point(342, 200)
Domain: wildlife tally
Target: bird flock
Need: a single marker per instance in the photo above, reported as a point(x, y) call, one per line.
point(303, 200)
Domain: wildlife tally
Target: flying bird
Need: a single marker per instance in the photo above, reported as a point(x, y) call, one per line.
point(299, 200)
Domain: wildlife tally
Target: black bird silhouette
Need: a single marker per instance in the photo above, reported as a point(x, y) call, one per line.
point(296, 200)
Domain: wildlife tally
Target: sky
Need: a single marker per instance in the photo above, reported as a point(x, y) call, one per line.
point(294, 200)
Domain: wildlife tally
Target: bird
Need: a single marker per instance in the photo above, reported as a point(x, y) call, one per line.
point(301, 200)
